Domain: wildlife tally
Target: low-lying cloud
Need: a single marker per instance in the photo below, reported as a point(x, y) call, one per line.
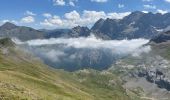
point(77, 53)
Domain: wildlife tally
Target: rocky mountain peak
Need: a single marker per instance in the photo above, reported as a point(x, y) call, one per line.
point(137, 13)
point(79, 28)
point(134, 16)
point(80, 31)
point(98, 24)
point(8, 26)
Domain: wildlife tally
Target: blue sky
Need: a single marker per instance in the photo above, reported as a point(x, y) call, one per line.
point(70, 13)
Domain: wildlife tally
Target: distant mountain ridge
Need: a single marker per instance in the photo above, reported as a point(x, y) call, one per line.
point(21, 32)
point(74, 32)
point(135, 25)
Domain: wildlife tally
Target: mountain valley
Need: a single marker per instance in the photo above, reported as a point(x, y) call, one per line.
point(115, 59)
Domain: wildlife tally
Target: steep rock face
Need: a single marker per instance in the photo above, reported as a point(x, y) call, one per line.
point(106, 28)
point(74, 32)
point(80, 31)
point(163, 37)
point(98, 24)
point(21, 32)
point(135, 25)
point(56, 33)
point(157, 77)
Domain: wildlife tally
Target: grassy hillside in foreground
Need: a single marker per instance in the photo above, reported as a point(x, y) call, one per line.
point(23, 77)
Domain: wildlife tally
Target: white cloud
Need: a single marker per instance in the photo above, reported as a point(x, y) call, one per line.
point(90, 17)
point(100, 1)
point(147, 0)
point(55, 20)
point(59, 2)
point(162, 11)
point(74, 15)
point(65, 2)
point(149, 6)
point(29, 13)
point(141, 50)
point(145, 11)
point(6, 20)
point(47, 15)
point(87, 18)
point(90, 42)
point(28, 19)
point(54, 55)
point(116, 46)
point(121, 5)
point(167, 1)
point(72, 2)
point(76, 51)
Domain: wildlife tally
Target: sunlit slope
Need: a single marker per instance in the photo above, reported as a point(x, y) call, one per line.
point(24, 77)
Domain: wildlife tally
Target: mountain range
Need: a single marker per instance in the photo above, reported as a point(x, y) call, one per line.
point(24, 76)
point(135, 25)
point(21, 32)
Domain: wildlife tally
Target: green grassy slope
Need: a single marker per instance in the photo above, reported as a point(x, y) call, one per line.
point(24, 77)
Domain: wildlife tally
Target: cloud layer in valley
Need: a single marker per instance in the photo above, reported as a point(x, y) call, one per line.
point(75, 53)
